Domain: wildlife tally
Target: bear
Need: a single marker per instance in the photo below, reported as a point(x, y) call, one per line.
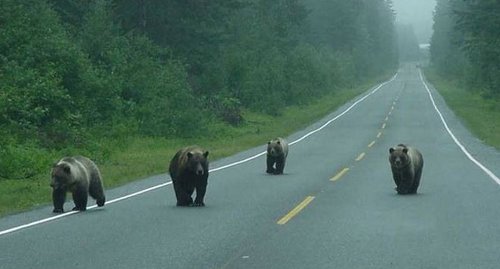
point(189, 172)
point(80, 176)
point(277, 151)
point(406, 165)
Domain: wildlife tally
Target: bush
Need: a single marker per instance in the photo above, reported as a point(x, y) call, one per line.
point(23, 161)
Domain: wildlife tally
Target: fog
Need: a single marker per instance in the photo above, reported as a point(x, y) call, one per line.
point(417, 13)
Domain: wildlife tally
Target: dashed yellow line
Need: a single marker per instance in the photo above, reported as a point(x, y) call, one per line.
point(360, 157)
point(340, 174)
point(383, 125)
point(371, 144)
point(295, 211)
point(386, 118)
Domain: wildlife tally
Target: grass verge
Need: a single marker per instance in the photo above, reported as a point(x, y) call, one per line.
point(479, 114)
point(138, 157)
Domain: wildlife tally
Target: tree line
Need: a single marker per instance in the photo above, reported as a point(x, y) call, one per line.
point(465, 45)
point(74, 71)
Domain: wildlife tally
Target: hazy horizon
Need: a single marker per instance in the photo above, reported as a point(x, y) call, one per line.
point(419, 14)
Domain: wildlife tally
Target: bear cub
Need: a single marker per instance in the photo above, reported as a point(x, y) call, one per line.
point(80, 176)
point(406, 165)
point(277, 151)
point(189, 172)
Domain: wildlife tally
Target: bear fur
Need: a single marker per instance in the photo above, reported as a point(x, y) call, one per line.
point(406, 165)
point(80, 176)
point(277, 151)
point(189, 172)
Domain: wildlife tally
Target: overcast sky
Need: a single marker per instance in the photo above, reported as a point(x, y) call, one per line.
point(417, 13)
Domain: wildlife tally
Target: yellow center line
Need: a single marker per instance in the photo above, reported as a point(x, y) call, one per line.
point(372, 143)
point(360, 157)
point(383, 126)
point(295, 211)
point(387, 118)
point(339, 174)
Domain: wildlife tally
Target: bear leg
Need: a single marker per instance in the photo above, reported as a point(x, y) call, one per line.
point(270, 165)
point(183, 198)
point(401, 191)
point(201, 189)
point(280, 166)
point(58, 198)
point(80, 197)
point(405, 188)
point(416, 181)
point(96, 191)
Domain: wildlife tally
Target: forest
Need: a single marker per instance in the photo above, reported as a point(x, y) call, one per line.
point(465, 46)
point(79, 75)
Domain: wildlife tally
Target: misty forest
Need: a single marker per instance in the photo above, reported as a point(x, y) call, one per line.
point(465, 45)
point(75, 71)
point(78, 76)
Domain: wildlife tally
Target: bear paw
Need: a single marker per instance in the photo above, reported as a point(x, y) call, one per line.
point(79, 209)
point(185, 204)
point(58, 210)
point(100, 203)
point(199, 204)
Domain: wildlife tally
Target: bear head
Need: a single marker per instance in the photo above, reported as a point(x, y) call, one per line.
point(62, 178)
point(197, 162)
point(274, 148)
point(398, 156)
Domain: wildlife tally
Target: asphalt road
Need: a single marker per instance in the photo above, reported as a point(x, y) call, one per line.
point(335, 206)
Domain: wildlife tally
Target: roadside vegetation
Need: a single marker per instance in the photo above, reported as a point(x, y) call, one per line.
point(465, 63)
point(480, 115)
point(127, 83)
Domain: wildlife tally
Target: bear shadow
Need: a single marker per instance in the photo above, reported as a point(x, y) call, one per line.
point(409, 195)
point(276, 175)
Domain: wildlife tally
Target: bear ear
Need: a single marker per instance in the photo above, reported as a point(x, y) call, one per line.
point(205, 154)
point(269, 142)
point(391, 150)
point(189, 154)
point(278, 142)
point(405, 150)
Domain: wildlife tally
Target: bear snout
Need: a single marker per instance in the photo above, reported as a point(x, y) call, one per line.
point(199, 171)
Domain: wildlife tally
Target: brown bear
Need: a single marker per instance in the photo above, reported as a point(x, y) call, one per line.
point(406, 164)
point(277, 151)
point(80, 176)
point(189, 171)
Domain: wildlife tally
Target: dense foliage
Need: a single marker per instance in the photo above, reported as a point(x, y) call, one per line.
point(74, 72)
point(466, 43)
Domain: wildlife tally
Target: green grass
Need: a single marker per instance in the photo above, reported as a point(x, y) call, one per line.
point(480, 115)
point(139, 157)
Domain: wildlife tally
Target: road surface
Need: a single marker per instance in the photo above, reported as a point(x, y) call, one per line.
point(335, 206)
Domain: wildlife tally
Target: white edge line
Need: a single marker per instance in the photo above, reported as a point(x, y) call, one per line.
point(17, 228)
point(464, 150)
